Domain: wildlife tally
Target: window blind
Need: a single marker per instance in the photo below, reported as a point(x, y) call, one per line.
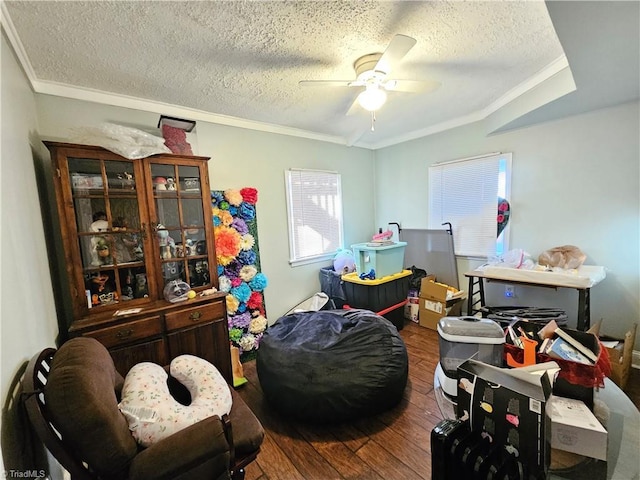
point(314, 201)
point(465, 193)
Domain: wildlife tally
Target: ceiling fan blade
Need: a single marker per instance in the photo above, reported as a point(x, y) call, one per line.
point(325, 83)
point(412, 86)
point(397, 49)
point(355, 107)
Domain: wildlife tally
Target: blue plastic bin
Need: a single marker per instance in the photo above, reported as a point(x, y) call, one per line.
point(385, 260)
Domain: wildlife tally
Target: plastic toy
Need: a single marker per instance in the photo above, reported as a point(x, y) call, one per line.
point(368, 276)
point(344, 262)
point(383, 236)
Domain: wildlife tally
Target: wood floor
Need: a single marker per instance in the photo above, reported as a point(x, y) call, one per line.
point(394, 445)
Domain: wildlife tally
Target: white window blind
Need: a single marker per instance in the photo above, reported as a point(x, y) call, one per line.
point(314, 202)
point(465, 193)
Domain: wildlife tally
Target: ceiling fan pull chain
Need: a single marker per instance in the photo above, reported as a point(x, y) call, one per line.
point(373, 121)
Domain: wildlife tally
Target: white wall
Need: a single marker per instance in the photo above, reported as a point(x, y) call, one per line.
point(246, 158)
point(574, 181)
point(27, 321)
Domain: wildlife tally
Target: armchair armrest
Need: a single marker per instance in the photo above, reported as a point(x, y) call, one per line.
point(199, 451)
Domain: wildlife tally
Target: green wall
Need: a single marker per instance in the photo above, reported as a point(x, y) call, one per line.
point(574, 181)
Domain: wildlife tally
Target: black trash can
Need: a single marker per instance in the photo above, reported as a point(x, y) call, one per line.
point(331, 283)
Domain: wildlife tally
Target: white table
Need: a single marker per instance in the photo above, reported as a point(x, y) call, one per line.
point(584, 279)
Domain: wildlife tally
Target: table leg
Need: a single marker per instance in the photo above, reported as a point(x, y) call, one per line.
point(584, 309)
point(471, 302)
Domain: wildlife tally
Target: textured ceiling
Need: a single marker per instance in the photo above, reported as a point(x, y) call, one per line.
point(243, 59)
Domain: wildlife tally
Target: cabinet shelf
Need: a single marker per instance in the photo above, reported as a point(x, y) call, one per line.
point(114, 259)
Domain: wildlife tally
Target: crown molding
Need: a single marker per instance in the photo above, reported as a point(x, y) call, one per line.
point(16, 44)
point(544, 75)
point(125, 101)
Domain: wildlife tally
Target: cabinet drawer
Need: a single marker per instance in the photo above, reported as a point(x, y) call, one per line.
point(195, 315)
point(127, 332)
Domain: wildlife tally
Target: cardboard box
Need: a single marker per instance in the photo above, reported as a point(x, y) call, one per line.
point(437, 301)
point(431, 311)
point(509, 406)
point(621, 355)
point(575, 429)
point(412, 308)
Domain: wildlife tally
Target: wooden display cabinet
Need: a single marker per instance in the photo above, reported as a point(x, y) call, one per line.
point(132, 232)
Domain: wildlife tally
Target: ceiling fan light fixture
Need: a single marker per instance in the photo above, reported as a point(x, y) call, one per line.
point(372, 98)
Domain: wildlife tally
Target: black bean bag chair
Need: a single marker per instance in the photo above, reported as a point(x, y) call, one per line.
point(332, 365)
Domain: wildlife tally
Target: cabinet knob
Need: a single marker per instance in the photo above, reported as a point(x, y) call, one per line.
point(122, 334)
point(195, 316)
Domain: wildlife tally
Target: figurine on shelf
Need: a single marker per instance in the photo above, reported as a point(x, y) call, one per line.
point(102, 292)
point(124, 243)
point(127, 289)
point(126, 181)
point(166, 243)
point(100, 252)
point(189, 248)
point(160, 183)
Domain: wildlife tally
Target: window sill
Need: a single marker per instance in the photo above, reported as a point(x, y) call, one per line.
point(309, 260)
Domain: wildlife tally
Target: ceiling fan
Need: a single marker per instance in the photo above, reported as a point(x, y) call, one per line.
point(372, 76)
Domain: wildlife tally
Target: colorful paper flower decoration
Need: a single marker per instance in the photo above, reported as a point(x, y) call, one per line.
point(248, 272)
point(249, 195)
point(235, 230)
point(227, 244)
point(234, 197)
point(224, 283)
point(247, 242)
point(257, 325)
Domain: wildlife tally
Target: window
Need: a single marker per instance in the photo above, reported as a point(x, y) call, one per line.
point(314, 203)
point(466, 193)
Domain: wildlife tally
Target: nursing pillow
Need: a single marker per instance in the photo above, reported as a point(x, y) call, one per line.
point(151, 410)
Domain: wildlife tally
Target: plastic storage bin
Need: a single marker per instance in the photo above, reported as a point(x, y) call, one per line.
point(395, 314)
point(385, 260)
point(462, 338)
point(378, 294)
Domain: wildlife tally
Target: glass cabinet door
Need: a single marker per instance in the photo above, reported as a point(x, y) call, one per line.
point(109, 229)
point(180, 229)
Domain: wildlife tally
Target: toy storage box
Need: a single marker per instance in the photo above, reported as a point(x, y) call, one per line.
point(378, 294)
point(385, 260)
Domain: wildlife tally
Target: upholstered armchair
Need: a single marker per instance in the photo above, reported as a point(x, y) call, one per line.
point(71, 396)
